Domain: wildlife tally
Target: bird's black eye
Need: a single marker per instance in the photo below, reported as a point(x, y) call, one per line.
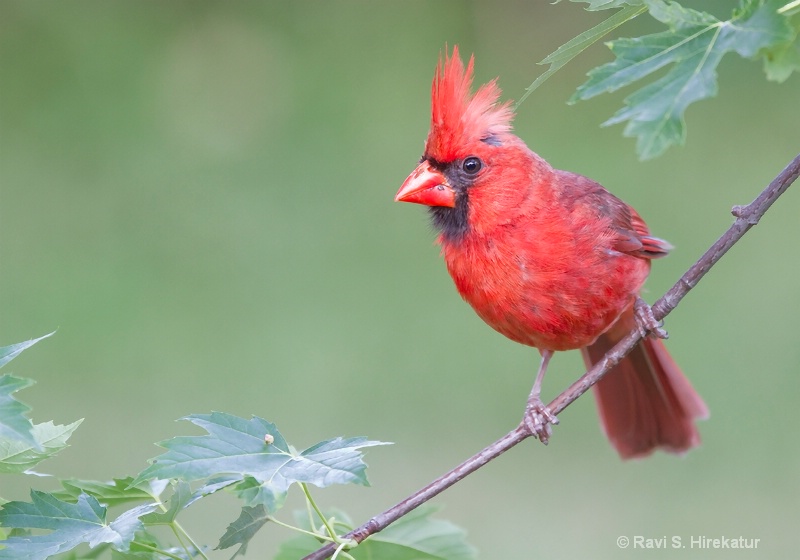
point(472, 165)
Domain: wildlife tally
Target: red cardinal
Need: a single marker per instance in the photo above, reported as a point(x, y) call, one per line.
point(550, 259)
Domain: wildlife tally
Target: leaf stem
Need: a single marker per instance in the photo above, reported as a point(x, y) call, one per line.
point(310, 511)
point(311, 501)
point(299, 530)
point(178, 527)
point(182, 544)
point(180, 540)
point(340, 550)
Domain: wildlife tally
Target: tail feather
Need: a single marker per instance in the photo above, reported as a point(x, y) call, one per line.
point(645, 402)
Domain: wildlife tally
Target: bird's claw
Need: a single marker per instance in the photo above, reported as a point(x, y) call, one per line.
point(645, 320)
point(539, 420)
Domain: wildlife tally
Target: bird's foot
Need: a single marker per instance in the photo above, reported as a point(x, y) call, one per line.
point(645, 320)
point(539, 420)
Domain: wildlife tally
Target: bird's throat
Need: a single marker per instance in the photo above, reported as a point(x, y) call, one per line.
point(453, 222)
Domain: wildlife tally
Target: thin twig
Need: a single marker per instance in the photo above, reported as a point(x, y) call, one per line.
point(746, 217)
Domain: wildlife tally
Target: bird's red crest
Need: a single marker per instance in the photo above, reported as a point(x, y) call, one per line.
point(458, 119)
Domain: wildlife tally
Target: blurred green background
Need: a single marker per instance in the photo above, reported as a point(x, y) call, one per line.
point(198, 196)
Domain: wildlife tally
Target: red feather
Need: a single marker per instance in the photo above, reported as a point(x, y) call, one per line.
point(645, 402)
point(548, 258)
point(459, 118)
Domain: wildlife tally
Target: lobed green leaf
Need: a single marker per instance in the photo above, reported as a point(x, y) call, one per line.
point(18, 456)
point(71, 524)
point(255, 455)
point(244, 528)
point(693, 48)
point(8, 353)
point(15, 426)
point(112, 493)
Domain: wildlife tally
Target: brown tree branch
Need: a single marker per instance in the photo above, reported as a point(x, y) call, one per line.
point(746, 217)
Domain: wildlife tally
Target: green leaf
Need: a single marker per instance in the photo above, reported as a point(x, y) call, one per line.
point(181, 497)
point(253, 492)
point(574, 47)
point(8, 353)
point(142, 548)
point(18, 456)
point(235, 446)
point(595, 5)
point(214, 485)
point(14, 425)
point(113, 493)
point(413, 537)
point(782, 60)
point(70, 525)
point(693, 47)
point(244, 528)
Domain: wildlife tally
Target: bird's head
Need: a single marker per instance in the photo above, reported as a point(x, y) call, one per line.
point(471, 169)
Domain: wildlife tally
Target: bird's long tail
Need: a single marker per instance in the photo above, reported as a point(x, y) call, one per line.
point(645, 402)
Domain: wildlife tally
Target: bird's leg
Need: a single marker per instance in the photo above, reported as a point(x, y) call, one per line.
point(645, 320)
point(538, 417)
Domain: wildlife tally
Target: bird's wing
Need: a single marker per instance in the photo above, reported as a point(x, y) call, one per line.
point(630, 233)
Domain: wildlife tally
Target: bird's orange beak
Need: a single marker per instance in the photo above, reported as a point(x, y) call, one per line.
point(427, 186)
